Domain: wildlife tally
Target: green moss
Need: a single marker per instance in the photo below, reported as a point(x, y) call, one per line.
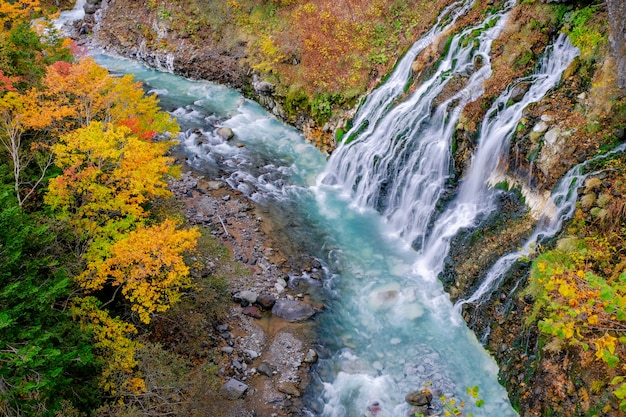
point(585, 33)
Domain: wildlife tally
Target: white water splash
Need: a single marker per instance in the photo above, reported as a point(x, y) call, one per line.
point(475, 199)
point(68, 17)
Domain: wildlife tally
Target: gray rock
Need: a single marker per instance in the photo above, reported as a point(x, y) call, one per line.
point(225, 133)
point(419, 398)
point(252, 311)
point(311, 356)
point(249, 296)
point(266, 301)
point(540, 127)
point(227, 349)
point(265, 369)
point(251, 353)
point(233, 389)
point(293, 310)
point(90, 8)
point(519, 91)
point(263, 88)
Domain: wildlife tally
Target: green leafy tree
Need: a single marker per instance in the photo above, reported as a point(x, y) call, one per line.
point(44, 356)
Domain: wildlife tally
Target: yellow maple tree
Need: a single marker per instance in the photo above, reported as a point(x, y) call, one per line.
point(149, 266)
point(16, 11)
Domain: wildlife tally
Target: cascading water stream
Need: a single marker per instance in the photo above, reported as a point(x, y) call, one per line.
point(400, 166)
point(70, 16)
point(563, 199)
point(379, 101)
point(475, 199)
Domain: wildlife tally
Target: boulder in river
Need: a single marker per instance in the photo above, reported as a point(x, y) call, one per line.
point(419, 398)
point(225, 133)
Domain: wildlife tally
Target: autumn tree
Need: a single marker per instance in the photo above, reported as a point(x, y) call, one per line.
point(109, 176)
point(23, 136)
point(17, 11)
point(90, 93)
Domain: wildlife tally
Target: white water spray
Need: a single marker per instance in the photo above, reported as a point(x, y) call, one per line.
point(475, 199)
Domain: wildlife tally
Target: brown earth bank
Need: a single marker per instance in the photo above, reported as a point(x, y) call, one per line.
point(584, 111)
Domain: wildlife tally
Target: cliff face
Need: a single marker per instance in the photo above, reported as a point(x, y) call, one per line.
point(617, 37)
point(274, 52)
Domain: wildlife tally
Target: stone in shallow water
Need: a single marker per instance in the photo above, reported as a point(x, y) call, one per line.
point(419, 398)
point(311, 356)
point(225, 133)
point(233, 389)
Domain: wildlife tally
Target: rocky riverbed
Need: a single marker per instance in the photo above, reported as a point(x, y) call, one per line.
point(267, 336)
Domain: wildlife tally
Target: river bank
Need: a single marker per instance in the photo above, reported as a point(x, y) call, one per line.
point(265, 353)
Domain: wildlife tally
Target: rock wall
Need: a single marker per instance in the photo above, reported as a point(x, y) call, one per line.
point(617, 23)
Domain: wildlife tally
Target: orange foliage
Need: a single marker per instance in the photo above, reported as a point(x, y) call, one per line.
point(110, 171)
point(17, 11)
point(90, 93)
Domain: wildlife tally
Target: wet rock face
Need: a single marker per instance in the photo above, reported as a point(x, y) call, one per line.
point(617, 37)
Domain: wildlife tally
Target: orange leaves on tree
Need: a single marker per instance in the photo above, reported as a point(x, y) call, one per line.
point(107, 171)
point(20, 112)
point(92, 94)
point(108, 176)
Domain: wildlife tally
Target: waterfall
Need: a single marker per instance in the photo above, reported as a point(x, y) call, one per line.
point(379, 101)
point(475, 199)
point(399, 165)
point(386, 329)
point(564, 198)
point(68, 17)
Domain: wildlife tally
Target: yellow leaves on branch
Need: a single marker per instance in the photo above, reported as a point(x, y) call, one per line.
point(148, 265)
point(107, 171)
point(113, 341)
point(108, 176)
point(12, 12)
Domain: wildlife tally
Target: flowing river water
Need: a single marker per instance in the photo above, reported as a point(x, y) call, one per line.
point(371, 213)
